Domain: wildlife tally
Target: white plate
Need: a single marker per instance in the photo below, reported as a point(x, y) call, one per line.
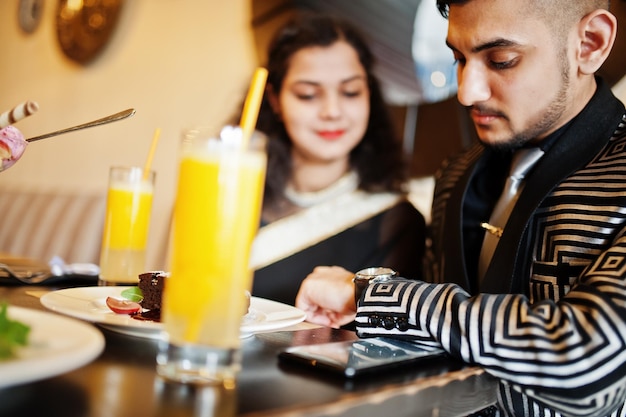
point(56, 345)
point(89, 303)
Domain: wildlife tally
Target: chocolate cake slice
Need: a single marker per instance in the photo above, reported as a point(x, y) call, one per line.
point(151, 285)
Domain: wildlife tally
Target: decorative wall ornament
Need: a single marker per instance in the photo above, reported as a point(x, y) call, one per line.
point(85, 26)
point(29, 14)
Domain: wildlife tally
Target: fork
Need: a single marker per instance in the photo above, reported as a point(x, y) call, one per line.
point(25, 275)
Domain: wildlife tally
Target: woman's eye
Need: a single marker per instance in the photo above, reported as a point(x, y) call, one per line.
point(305, 97)
point(351, 94)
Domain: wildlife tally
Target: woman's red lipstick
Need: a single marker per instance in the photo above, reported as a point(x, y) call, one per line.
point(330, 134)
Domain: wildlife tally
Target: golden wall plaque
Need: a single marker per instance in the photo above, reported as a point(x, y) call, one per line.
point(85, 26)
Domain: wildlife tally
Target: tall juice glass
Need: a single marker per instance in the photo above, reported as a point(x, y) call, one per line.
point(216, 217)
point(127, 220)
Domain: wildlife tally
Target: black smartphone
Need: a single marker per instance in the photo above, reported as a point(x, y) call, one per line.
point(358, 357)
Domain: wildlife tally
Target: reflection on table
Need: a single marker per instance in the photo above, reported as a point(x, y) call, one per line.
point(123, 382)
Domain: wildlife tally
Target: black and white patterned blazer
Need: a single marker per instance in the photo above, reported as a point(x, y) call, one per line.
point(550, 319)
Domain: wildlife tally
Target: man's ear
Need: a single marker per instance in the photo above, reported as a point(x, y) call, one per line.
point(596, 34)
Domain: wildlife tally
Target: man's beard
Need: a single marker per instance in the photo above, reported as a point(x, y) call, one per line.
point(551, 114)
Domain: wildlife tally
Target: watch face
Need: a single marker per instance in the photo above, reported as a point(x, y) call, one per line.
point(368, 276)
point(84, 28)
point(29, 14)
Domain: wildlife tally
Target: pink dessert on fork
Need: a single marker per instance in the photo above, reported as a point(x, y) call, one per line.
point(12, 146)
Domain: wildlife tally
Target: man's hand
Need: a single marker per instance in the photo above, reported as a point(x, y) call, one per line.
point(327, 296)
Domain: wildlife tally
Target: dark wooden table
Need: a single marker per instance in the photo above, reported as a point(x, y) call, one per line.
point(122, 381)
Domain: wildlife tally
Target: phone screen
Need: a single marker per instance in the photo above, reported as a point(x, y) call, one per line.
point(353, 358)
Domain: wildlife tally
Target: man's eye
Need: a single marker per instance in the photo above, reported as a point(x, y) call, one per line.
point(502, 65)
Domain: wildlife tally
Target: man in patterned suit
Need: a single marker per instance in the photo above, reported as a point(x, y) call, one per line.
point(547, 314)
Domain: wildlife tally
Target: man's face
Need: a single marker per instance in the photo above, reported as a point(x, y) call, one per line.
point(513, 74)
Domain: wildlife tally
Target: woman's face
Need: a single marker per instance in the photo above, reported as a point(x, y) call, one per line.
point(324, 103)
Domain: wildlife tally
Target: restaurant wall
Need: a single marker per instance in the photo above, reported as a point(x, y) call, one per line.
point(177, 62)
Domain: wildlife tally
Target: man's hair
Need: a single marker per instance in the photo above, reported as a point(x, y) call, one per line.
point(444, 6)
point(549, 8)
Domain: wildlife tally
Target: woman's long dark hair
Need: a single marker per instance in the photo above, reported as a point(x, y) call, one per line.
point(378, 158)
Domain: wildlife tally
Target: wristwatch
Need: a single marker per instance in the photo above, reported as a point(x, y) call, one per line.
point(368, 276)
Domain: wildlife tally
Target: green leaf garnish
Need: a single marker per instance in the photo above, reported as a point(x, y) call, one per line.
point(133, 294)
point(12, 333)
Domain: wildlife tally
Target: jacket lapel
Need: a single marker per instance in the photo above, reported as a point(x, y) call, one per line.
point(452, 235)
point(580, 143)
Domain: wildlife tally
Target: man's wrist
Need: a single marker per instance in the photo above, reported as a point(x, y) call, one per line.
point(368, 276)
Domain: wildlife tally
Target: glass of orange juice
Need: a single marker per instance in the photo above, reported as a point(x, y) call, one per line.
point(126, 224)
point(216, 217)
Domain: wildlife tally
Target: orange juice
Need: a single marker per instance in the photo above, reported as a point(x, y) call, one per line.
point(125, 235)
point(216, 217)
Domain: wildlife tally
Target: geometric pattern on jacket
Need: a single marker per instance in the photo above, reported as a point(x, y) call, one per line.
point(550, 320)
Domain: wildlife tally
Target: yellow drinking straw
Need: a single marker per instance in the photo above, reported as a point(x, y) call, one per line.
point(155, 139)
point(253, 103)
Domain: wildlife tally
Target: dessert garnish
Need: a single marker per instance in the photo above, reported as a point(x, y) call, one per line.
point(17, 113)
point(13, 333)
point(131, 305)
point(133, 294)
point(128, 304)
point(120, 306)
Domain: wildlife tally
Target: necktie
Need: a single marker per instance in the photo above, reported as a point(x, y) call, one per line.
point(522, 162)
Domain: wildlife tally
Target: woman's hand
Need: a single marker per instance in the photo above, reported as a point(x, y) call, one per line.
point(327, 296)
